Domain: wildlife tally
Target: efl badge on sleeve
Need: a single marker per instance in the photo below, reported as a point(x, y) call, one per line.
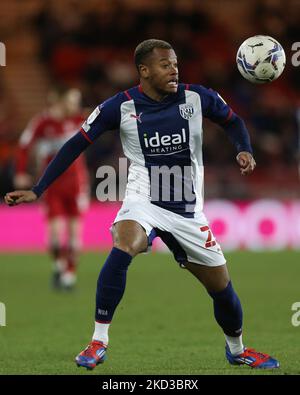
point(93, 115)
point(86, 125)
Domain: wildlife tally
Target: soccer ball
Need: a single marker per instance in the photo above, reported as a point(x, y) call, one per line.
point(260, 59)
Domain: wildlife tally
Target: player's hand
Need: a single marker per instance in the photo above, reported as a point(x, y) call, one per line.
point(246, 162)
point(17, 197)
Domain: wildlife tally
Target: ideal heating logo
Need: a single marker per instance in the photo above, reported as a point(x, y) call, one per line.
point(2, 314)
point(2, 54)
point(167, 143)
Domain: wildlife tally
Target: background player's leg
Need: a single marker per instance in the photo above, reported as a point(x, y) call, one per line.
point(129, 240)
point(55, 226)
point(72, 248)
point(227, 306)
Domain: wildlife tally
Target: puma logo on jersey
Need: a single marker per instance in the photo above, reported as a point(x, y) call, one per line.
point(137, 117)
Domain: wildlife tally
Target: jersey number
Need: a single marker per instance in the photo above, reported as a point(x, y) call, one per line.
point(209, 242)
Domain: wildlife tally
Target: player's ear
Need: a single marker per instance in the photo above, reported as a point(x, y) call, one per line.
point(144, 71)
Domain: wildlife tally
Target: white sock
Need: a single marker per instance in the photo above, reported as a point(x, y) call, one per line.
point(235, 344)
point(101, 332)
point(59, 265)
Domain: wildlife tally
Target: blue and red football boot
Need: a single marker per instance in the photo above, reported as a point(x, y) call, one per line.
point(94, 354)
point(252, 358)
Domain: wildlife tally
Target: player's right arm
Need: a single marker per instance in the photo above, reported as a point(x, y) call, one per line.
point(64, 158)
point(104, 117)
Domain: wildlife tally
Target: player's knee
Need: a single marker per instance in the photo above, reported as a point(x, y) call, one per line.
point(129, 237)
point(219, 285)
point(130, 248)
point(226, 295)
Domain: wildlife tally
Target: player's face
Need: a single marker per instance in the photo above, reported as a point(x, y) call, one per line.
point(161, 70)
point(55, 107)
point(72, 101)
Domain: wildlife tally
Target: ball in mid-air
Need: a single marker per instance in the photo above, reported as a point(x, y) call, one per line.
point(260, 59)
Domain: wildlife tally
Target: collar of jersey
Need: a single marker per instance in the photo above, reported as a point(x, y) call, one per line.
point(166, 99)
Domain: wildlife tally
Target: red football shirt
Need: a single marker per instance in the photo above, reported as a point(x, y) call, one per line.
point(45, 135)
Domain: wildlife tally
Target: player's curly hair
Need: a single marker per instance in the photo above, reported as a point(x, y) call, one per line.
point(146, 47)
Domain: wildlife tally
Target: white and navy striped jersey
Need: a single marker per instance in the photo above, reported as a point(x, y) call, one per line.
point(159, 136)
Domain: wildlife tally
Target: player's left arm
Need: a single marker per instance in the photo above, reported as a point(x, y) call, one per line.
point(238, 134)
point(216, 109)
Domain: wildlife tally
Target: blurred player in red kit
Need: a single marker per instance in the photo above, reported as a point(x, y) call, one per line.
point(68, 196)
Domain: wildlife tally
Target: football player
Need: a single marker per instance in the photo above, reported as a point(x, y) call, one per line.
point(67, 197)
point(160, 123)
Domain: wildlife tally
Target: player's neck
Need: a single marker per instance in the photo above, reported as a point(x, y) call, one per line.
point(149, 91)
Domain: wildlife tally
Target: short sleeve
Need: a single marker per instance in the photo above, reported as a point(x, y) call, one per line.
point(213, 105)
point(105, 117)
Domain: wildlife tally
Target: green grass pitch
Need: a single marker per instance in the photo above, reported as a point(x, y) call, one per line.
point(164, 324)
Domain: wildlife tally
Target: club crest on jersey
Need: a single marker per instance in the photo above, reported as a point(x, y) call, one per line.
point(186, 110)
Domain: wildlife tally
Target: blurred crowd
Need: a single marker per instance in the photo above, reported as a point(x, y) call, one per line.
point(89, 45)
